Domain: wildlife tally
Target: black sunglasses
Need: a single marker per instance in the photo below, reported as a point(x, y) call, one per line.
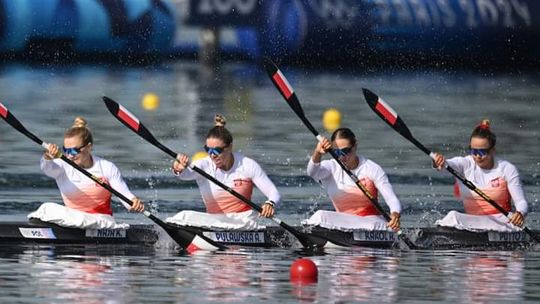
point(342, 152)
point(214, 151)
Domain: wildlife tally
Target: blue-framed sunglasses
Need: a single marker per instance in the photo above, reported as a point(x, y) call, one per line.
point(73, 151)
point(342, 152)
point(479, 152)
point(214, 151)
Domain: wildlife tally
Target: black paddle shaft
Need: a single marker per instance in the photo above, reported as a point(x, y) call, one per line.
point(183, 238)
point(295, 105)
point(304, 239)
point(473, 187)
point(372, 199)
point(349, 172)
point(399, 126)
point(461, 178)
point(308, 241)
point(281, 83)
point(209, 177)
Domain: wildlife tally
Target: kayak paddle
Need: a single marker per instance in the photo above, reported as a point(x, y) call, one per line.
point(391, 117)
point(288, 93)
point(129, 120)
point(187, 240)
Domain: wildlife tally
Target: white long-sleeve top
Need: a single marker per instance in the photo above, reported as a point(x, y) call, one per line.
point(82, 193)
point(483, 178)
point(340, 187)
point(244, 173)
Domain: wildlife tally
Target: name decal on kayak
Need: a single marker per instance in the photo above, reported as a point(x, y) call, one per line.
point(37, 233)
point(509, 237)
point(374, 236)
point(243, 237)
point(106, 233)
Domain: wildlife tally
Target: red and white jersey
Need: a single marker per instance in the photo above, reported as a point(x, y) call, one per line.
point(345, 194)
point(244, 173)
point(501, 183)
point(82, 193)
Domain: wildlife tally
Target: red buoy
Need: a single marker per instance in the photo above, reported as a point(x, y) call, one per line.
point(304, 271)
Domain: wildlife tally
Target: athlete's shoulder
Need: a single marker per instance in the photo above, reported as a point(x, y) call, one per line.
point(506, 165)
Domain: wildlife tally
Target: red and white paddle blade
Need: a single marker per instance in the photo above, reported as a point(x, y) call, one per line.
point(122, 114)
point(199, 243)
point(128, 118)
point(279, 80)
point(380, 107)
point(388, 114)
point(3, 111)
point(283, 86)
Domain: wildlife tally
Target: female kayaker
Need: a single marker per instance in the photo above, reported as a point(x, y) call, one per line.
point(235, 171)
point(354, 209)
point(496, 177)
point(88, 204)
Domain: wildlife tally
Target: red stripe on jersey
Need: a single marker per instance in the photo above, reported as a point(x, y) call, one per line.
point(3, 110)
point(283, 84)
point(128, 118)
point(386, 111)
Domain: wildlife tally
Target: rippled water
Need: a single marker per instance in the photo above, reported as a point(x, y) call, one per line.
point(97, 275)
point(440, 107)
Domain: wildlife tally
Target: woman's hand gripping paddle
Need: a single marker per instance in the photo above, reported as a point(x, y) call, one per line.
point(186, 239)
point(390, 116)
point(289, 95)
point(129, 120)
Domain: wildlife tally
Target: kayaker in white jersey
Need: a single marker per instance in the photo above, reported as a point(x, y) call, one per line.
point(87, 204)
point(496, 177)
point(354, 209)
point(235, 171)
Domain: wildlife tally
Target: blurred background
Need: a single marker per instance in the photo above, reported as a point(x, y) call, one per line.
point(312, 32)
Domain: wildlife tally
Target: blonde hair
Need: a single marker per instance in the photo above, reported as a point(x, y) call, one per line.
point(219, 120)
point(80, 129)
point(219, 131)
point(79, 122)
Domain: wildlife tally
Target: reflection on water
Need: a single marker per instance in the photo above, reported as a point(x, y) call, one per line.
point(491, 278)
point(93, 275)
point(356, 278)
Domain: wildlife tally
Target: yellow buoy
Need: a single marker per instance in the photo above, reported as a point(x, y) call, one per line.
point(150, 101)
point(199, 155)
point(331, 119)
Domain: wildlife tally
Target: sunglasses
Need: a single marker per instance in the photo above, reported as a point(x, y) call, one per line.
point(214, 151)
point(73, 151)
point(479, 152)
point(342, 152)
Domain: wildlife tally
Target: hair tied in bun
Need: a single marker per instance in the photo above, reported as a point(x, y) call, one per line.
point(484, 125)
point(219, 120)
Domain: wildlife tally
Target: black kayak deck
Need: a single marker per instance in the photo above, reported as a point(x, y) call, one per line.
point(429, 238)
point(39, 232)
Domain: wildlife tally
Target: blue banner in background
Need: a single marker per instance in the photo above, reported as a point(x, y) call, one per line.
point(302, 30)
point(316, 28)
point(88, 26)
point(334, 30)
point(214, 13)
